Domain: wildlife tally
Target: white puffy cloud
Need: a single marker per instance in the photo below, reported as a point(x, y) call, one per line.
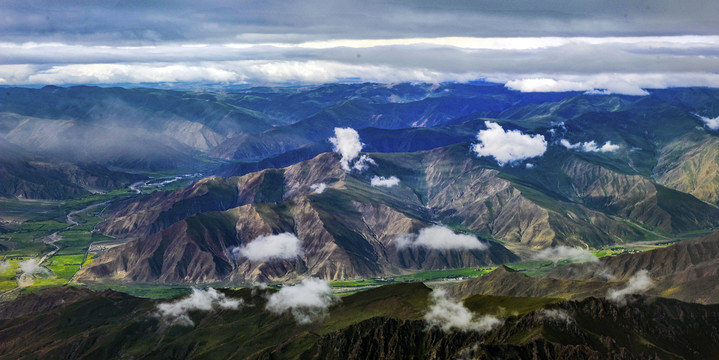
point(449, 315)
point(438, 237)
point(557, 253)
point(308, 301)
point(4, 265)
point(363, 163)
point(508, 146)
point(268, 247)
point(386, 182)
point(710, 123)
point(31, 267)
point(557, 315)
point(177, 312)
point(589, 146)
point(637, 284)
point(318, 188)
point(346, 142)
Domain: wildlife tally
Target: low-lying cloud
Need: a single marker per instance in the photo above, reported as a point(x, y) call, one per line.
point(709, 122)
point(31, 267)
point(438, 237)
point(318, 188)
point(448, 315)
point(363, 163)
point(4, 265)
point(346, 142)
point(308, 301)
point(508, 146)
point(269, 247)
point(589, 146)
point(557, 253)
point(637, 284)
point(587, 84)
point(177, 312)
point(386, 182)
point(556, 315)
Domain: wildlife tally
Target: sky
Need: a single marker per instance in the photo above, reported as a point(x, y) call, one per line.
point(606, 46)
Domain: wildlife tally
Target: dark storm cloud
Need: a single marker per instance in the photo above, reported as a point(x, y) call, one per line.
point(146, 22)
point(610, 45)
point(566, 56)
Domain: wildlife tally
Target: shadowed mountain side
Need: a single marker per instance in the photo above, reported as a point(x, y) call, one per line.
point(374, 139)
point(44, 300)
point(688, 271)
point(357, 114)
point(385, 322)
point(447, 104)
point(588, 329)
point(504, 281)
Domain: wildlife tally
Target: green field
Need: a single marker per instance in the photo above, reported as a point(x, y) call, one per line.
point(35, 220)
point(85, 201)
point(7, 276)
point(24, 210)
point(28, 239)
point(632, 248)
point(356, 283)
point(429, 275)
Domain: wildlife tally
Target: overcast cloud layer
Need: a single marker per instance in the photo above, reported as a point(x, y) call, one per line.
point(614, 46)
